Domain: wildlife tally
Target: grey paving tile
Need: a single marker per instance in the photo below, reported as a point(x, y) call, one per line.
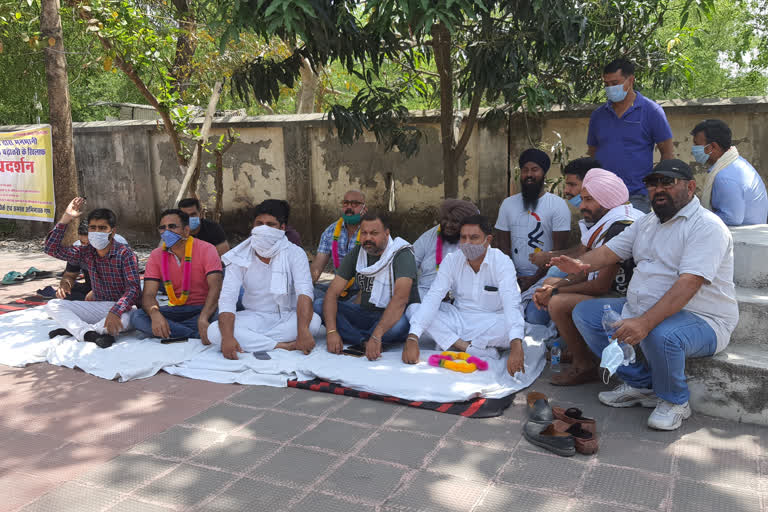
point(421, 420)
point(185, 486)
point(134, 505)
point(408, 448)
point(126, 472)
point(251, 495)
point(179, 442)
point(332, 435)
point(697, 497)
point(277, 426)
point(311, 402)
point(73, 497)
point(493, 432)
point(431, 492)
point(543, 471)
point(502, 497)
point(223, 417)
point(235, 454)
point(587, 505)
point(632, 423)
point(764, 473)
point(621, 485)
point(294, 464)
point(373, 412)
point(714, 465)
point(636, 454)
point(316, 502)
point(262, 396)
point(360, 479)
point(468, 461)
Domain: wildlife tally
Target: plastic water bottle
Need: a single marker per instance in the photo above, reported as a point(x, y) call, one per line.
point(554, 360)
point(610, 321)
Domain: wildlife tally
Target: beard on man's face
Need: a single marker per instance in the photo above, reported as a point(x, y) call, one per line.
point(371, 248)
point(666, 205)
point(449, 237)
point(531, 190)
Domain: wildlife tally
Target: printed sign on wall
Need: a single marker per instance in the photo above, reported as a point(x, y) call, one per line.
point(26, 175)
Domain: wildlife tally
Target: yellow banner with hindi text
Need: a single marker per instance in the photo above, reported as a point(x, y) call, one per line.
point(26, 175)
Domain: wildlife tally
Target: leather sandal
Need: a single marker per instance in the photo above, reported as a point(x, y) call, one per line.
point(585, 441)
point(573, 377)
point(560, 443)
point(573, 415)
point(539, 410)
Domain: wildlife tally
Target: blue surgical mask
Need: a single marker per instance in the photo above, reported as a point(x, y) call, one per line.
point(575, 201)
point(699, 155)
point(615, 93)
point(194, 223)
point(170, 238)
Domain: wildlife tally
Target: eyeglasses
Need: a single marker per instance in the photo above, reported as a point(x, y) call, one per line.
point(163, 227)
point(660, 182)
point(353, 204)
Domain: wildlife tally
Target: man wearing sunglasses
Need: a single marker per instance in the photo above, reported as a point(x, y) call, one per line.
point(189, 270)
point(681, 300)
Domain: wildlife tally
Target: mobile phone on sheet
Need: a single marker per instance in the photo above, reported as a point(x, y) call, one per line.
point(168, 341)
point(262, 356)
point(354, 350)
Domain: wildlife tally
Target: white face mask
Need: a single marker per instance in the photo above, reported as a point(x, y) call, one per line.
point(614, 355)
point(472, 251)
point(264, 238)
point(98, 240)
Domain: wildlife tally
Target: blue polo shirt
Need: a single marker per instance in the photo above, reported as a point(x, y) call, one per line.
point(625, 146)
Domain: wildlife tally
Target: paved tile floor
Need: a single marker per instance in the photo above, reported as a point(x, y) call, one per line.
point(72, 442)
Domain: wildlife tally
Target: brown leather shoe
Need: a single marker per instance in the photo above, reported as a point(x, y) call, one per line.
point(573, 415)
point(561, 443)
point(585, 441)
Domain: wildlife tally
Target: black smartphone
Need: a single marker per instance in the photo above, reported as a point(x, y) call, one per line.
point(168, 341)
point(263, 356)
point(355, 350)
point(490, 288)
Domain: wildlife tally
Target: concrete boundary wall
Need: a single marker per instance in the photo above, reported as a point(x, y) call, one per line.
point(129, 166)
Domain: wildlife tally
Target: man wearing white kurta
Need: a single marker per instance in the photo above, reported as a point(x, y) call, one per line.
point(486, 314)
point(278, 293)
point(435, 244)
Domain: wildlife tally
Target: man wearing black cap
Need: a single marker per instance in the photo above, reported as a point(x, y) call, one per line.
point(681, 300)
point(530, 222)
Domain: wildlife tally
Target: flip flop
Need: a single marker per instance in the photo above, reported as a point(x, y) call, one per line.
point(12, 277)
point(48, 292)
point(585, 441)
point(34, 273)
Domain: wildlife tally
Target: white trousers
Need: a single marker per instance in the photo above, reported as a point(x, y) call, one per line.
point(257, 331)
point(80, 317)
point(450, 324)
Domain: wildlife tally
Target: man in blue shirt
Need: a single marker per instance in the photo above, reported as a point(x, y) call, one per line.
point(733, 190)
point(623, 131)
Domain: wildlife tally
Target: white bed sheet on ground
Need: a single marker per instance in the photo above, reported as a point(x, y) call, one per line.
point(24, 340)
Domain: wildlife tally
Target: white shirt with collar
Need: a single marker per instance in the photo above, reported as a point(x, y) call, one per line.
point(425, 251)
point(474, 292)
point(694, 241)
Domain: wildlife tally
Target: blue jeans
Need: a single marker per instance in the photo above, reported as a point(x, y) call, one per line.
point(556, 272)
point(182, 320)
point(665, 348)
point(533, 315)
point(355, 325)
point(320, 291)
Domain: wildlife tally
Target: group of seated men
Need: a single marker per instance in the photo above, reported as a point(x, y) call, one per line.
point(668, 273)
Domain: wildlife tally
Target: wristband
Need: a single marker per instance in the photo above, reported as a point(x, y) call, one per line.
point(412, 337)
point(376, 338)
point(554, 292)
point(330, 332)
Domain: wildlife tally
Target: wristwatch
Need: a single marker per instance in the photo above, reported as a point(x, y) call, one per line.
point(555, 291)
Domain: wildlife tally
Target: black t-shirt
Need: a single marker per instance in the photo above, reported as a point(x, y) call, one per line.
point(211, 232)
point(626, 267)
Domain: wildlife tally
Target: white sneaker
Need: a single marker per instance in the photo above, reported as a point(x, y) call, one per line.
point(669, 416)
point(483, 353)
point(625, 395)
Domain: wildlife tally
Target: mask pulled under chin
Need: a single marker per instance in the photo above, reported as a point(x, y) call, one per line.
point(575, 201)
point(614, 355)
point(264, 238)
point(98, 240)
point(472, 251)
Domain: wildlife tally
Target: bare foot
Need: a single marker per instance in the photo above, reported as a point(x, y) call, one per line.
point(460, 346)
point(286, 345)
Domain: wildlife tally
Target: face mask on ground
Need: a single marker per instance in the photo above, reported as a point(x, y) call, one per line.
point(194, 223)
point(575, 201)
point(98, 239)
point(352, 219)
point(472, 251)
point(615, 93)
point(699, 155)
point(170, 238)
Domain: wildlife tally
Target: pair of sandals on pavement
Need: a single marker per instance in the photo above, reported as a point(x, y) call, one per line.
point(14, 277)
point(561, 431)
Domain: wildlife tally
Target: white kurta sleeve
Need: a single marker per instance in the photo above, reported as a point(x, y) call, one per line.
point(431, 302)
point(302, 278)
point(506, 276)
point(230, 289)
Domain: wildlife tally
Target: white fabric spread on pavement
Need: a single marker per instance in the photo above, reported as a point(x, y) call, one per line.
point(24, 340)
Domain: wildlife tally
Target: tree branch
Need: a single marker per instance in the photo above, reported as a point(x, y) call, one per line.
point(477, 97)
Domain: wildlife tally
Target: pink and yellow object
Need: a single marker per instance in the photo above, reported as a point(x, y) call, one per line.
point(458, 362)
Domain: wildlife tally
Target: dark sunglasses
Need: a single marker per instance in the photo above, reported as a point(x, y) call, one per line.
point(163, 227)
point(660, 181)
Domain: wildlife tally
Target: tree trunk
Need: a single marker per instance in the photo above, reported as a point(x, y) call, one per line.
point(441, 45)
point(305, 100)
point(64, 167)
point(186, 44)
point(194, 182)
point(218, 185)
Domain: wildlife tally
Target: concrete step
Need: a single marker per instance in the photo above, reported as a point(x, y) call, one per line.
point(752, 328)
point(733, 384)
point(750, 256)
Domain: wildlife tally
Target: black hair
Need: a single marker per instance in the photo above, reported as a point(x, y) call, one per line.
point(190, 201)
point(715, 130)
point(82, 228)
point(480, 221)
point(374, 215)
point(581, 166)
point(103, 214)
point(275, 207)
point(626, 67)
point(173, 211)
